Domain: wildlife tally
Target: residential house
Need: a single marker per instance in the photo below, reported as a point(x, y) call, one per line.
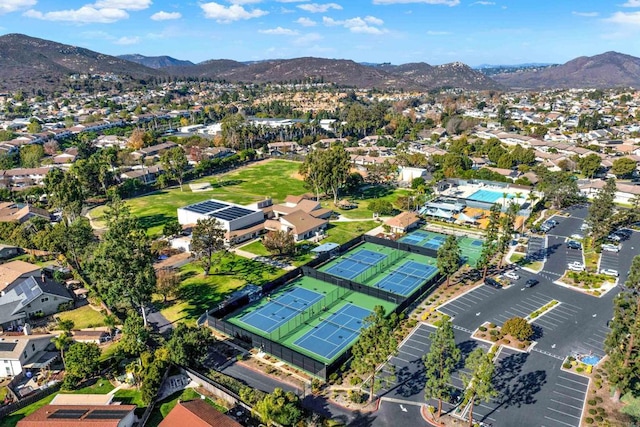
point(403, 222)
point(17, 352)
point(197, 413)
point(145, 175)
point(96, 337)
point(625, 192)
point(28, 298)
point(302, 225)
point(305, 203)
point(20, 213)
point(8, 251)
point(154, 151)
point(281, 148)
point(81, 415)
point(23, 177)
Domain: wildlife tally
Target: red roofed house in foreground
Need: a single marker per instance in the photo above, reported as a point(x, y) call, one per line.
point(197, 413)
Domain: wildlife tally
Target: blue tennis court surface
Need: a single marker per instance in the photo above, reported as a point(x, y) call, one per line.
point(487, 196)
point(355, 264)
point(406, 278)
point(434, 243)
point(415, 237)
point(476, 243)
point(279, 310)
point(335, 331)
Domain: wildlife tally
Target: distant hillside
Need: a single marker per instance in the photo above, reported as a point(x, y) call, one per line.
point(28, 62)
point(492, 70)
point(455, 75)
point(610, 69)
point(208, 69)
point(155, 61)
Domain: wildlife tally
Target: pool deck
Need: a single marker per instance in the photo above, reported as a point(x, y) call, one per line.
point(465, 191)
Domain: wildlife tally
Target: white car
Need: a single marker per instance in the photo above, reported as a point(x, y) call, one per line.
point(577, 236)
point(608, 247)
point(609, 272)
point(576, 266)
point(511, 275)
point(584, 226)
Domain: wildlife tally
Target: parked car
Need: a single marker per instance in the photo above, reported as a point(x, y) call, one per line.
point(614, 237)
point(609, 272)
point(530, 283)
point(511, 275)
point(584, 226)
point(577, 236)
point(575, 266)
point(608, 247)
point(492, 282)
point(622, 233)
point(572, 244)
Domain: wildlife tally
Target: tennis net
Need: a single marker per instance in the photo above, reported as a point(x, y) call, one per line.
point(326, 319)
point(299, 310)
point(362, 262)
point(413, 276)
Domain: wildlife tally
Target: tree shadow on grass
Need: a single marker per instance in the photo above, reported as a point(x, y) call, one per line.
point(226, 183)
point(150, 221)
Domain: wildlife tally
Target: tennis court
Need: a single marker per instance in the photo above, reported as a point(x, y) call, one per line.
point(406, 278)
point(352, 265)
point(280, 310)
point(334, 332)
point(470, 248)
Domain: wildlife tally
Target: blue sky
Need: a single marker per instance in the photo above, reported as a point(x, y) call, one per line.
point(396, 31)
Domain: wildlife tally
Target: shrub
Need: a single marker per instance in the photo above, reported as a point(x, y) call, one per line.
point(592, 411)
point(599, 400)
point(518, 328)
point(494, 338)
point(482, 329)
point(492, 325)
point(571, 358)
point(494, 332)
point(597, 376)
point(521, 346)
point(591, 402)
point(579, 369)
point(566, 365)
point(506, 341)
point(356, 396)
point(355, 380)
point(588, 420)
point(600, 410)
point(599, 418)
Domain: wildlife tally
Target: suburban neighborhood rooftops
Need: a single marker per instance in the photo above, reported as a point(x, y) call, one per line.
point(85, 415)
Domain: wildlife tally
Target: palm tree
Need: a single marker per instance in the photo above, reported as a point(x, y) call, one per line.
point(110, 321)
point(62, 342)
point(66, 325)
point(504, 199)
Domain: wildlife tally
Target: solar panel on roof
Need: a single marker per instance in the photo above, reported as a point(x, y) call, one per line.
point(206, 207)
point(231, 213)
point(7, 346)
point(103, 414)
point(68, 414)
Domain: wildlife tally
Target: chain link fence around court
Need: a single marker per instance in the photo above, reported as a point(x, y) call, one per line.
point(380, 267)
point(304, 316)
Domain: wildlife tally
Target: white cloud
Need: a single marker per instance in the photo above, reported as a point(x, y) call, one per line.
point(445, 2)
point(307, 39)
point(365, 25)
point(224, 14)
point(84, 15)
point(291, 1)
point(279, 31)
point(122, 4)
point(241, 2)
point(632, 18)
point(306, 22)
point(438, 33)
point(166, 16)
point(632, 3)
point(585, 14)
point(7, 6)
point(484, 3)
point(126, 41)
point(319, 8)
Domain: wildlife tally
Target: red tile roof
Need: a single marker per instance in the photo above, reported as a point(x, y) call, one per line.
point(42, 417)
point(197, 413)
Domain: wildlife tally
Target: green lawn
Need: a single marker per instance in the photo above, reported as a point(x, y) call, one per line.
point(198, 293)
point(273, 179)
point(341, 232)
point(109, 351)
point(130, 396)
point(102, 386)
point(13, 419)
point(165, 406)
point(371, 193)
point(83, 317)
point(302, 256)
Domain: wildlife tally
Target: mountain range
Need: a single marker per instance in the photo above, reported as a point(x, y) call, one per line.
point(28, 63)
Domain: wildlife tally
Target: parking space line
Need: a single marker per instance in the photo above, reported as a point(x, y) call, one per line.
point(410, 346)
point(404, 360)
point(461, 301)
point(474, 297)
point(418, 356)
point(566, 404)
point(569, 396)
point(558, 421)
point(563, 413)
point(574, 381)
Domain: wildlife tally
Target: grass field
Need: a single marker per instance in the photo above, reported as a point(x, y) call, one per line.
point(302, 256)
point(369, 194)
point(12, 420)
point(341, 232)
point(198, 293)
point(165, 406)
point(273, 178)
point(83, 317)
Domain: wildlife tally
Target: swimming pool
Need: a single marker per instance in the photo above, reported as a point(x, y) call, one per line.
point(488, 196)
point(590, 360)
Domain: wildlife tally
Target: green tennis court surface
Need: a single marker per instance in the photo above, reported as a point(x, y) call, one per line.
point(470, 249)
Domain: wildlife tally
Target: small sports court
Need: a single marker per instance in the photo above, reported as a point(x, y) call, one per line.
point(404, 279)
point(470, 249)
point(334, 332)
point(280, 310)
point(352, 265)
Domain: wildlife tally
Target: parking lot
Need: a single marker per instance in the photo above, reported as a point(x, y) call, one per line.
point(469, 300)
point(536, 248)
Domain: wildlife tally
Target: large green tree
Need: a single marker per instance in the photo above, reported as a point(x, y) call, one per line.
point(135, 334)
point(327, 170)
point(65, 192)
point(589, 165)
point(279, 407)
point(560, 188)
point(82, 360)
point(189, 345)
point(207, 239)
point(490, 243)
point(440, 362)
point(477, 380)
point(122, 264)
point(174, 161)
point(507, 223)
point(376, 344)
point(623, 167)
point(448, 259)
point(601, 211)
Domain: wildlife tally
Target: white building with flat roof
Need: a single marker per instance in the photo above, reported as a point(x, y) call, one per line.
point(231, 216)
